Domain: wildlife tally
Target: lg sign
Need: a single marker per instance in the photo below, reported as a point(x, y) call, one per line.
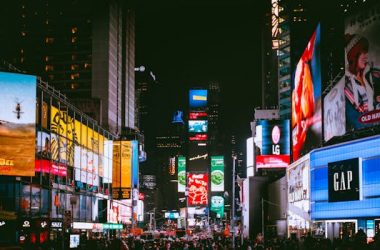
point(276, 135)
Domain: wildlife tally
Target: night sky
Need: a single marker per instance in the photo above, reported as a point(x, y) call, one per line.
point(188, 43)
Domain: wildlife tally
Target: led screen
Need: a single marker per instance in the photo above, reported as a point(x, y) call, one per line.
point(198, 189)
point(217, 206)
point(198, 159)
point(122, 169)
point(198, 126)
point(198, 98)
point(306, 99)
point(46, 166)
point(181, 174)
point(217, 173)
point(272, 140)
point(198, 115)
point(198, 137)
point(334, 119)
point(362, 74)
point(17, 124)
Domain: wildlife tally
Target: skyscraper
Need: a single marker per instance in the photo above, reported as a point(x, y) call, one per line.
point(85, 49)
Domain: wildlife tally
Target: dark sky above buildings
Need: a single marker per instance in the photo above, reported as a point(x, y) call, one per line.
point(187, 43)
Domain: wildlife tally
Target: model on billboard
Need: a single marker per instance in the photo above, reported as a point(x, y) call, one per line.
point(362, 89)
point(306, 101)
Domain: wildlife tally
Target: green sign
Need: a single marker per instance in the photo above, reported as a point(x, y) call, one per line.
point(112, 226)
point(181, 174)
point(217, 206)
point(217, 173)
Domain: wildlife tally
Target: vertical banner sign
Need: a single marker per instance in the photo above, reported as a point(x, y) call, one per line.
point(217, 173)
point(306, 99)
point(198, 189)
point(17, 124)
point(121, 174)
point(217, 206)
point(181, 174)
point(135, 163)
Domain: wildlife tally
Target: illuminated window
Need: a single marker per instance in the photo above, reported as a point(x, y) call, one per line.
point(46, 58)
point(74, 30)
point(87, 65)
point(22, 59)
point(74, 39)
point(23, 33)
point(73, 57)
point(74, 76)
point(49, 68)
point(22, 51)
point(74, 67)
point(49, 40)
point(47, 21)
point(23, 15)
point(73, 85)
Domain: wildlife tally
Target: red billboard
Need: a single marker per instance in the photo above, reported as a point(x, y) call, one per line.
point(46, 166)
point(198, 189)
point(198, 137)
point(197, 115)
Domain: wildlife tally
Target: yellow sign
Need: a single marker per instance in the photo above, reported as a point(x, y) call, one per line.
point(122, 164)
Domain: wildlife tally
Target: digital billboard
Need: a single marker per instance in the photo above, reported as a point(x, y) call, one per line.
point(198, 126)
point(306, 99)
point(17, 124)
point(272, 140)
point(135, 162)
point(181, 164)
point(198, 98)
point(122, 168)
point(198, 159)
point(198, 189)
point(334, 119)
point(198, 115)
point(46, 166)
point(217, 206)
point(198, 137)
point(217, 173)
point(362, 74)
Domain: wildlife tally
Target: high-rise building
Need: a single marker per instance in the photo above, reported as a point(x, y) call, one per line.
point(85, 49)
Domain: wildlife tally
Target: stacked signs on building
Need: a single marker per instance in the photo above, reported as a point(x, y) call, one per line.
point(17, 124)
point(356, 97)
point(272, 139)
point(217, 174)
point(198, 158)
point(306, 99)
point(181, 161)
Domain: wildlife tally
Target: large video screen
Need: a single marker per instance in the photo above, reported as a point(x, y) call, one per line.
point(181, 164)
point(198, 189)
point(272, 140)
point(198, 159)
point(362, 74)
point(198, 126)
point(17, 124)
point(306, 99)
point(198, 98)
point(217, 173)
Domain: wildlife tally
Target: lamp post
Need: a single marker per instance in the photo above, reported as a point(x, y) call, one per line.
point(233, 201)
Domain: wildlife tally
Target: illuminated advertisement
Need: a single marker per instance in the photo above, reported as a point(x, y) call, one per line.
point(135, 162)
point(306, 99)
point(17, 124)
point(181, 174)
point(198, 126)
point(298, 177)
point(197, 157)
point(272, 139)
point(334, 120)
point(198, 189)
point(344, 180)
point(122, 168)
point(178, 117)
point(43, 145)
point(362, 74)
point(198, 98)
point(198, 115)
point(149, 181)
point(217, 173)
point(217, 206)
point(46, 166)
point(107, 161)
point(198, 137)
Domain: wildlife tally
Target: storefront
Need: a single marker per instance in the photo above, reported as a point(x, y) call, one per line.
point(345, 188)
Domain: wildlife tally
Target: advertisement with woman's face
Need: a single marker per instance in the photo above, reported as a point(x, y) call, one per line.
point(362, 70)
point(306, 99)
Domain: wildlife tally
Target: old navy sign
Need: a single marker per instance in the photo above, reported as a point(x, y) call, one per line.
point(344, 180)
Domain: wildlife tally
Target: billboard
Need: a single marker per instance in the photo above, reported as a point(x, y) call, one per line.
point(149, 181)
point(217, 173)
point(17, 124)
point(198, 137)
point(198, 98)
point(46, 166)
point(217, 206)
point(334, 119)
point(107, 161)
point(135, 162)
point(306, 99)
point(122, 168)
point(298, 178)
point(197, 157)
point(198, 189)
point(198, 126)
point(344, 179)
point(362, 74)
point(198, 115)
point(181, 164)
point(272, 140)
